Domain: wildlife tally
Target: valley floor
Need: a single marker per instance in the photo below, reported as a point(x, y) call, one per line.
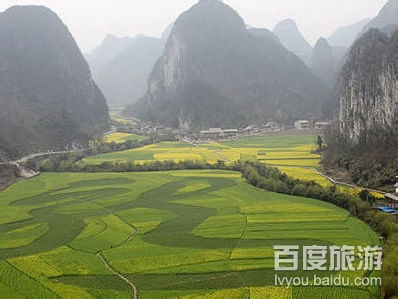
point(179, 234)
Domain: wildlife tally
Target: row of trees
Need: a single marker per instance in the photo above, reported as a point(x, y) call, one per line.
point(8, 174)
point(70, 163)
point(66, 162)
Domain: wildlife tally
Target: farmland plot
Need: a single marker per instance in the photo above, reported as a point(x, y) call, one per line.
point(185, 234)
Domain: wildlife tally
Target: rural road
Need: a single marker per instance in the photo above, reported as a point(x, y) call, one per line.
point(224, 158)
point(35, 155)
point(32, 156)
point(344, 184)
point(112, 130)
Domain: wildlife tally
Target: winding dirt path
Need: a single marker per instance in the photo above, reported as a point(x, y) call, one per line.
point(108, 266)
point(124, 278)
point(224, 158)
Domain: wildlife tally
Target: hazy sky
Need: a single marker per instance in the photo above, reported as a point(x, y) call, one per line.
point(90, 20)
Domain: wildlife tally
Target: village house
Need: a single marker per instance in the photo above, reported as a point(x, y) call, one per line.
point(302, 125)
point(231, 133)
point(392, 198)
point(321, 125)
point(212, 133)
point(270, 127)
point(218, 133)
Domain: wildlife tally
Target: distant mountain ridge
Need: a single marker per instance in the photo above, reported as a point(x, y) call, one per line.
point(387, 16)
point(323, 62)
point(102, 55)
point(345, 36)
point(264, 33)
point(215, 72)
point(124, 78)
point(121, 65)
point(47, 97)
point(291, 38)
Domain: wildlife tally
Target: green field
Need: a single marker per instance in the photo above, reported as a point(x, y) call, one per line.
point(280, 150)
point(186, 234)
point(116, 118)
point(180, 234)
point(119, 137)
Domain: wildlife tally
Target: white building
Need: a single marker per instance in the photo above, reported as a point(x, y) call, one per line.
point(215, 133)
point(392, 198)
point(212, 133)
point(396, 186)
point(302, 124)
point(270, 127)
point(230, 132)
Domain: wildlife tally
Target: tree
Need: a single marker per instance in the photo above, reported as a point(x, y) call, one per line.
point(320, 142)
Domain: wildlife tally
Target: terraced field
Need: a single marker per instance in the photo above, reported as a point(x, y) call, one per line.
point(186, 234)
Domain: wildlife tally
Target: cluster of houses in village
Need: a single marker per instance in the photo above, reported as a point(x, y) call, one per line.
point(148, 128)
point(219, 133)
point(307, 125)
point(254, 130)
